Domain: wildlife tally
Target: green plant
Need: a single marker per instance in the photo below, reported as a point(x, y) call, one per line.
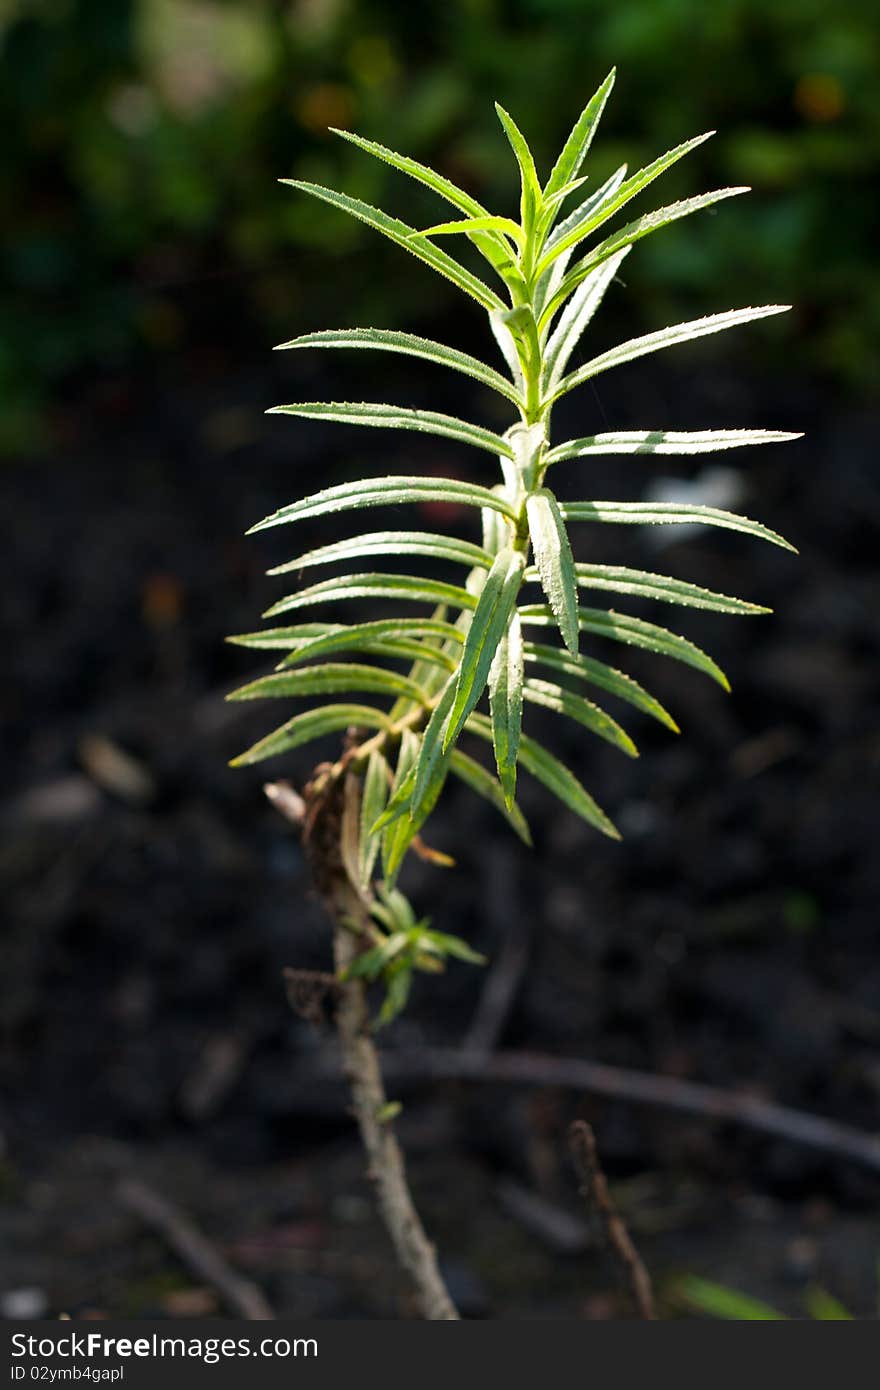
point(483, 634)
point(485, 629)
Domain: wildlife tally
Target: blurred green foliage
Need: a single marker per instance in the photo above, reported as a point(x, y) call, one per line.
point(143, 140)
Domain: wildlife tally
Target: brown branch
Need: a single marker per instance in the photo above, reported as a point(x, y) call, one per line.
point(640, 1088)
point(196, 1252)
point(321, 817)
point(594, 1189)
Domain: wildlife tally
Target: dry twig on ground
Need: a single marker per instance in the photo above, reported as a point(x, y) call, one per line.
point(194, 1249)
point(640, 1088)
point(594, 1188)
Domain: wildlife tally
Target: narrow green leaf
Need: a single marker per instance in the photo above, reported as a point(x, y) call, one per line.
point(669, 514)
point(370, 964)
point(556, 697)
point(531, 187)
point(504, 225)
point(391, 636)
point(575, 149)
point(475, 776)
point(410, 345)
point(410, 742)
point(632, 232)
point(422, 173)
point(398, 648)
point(393, 586)
point(594, 672)
point(383, 492)
point(582, 213)
point(620, 580)
point(549, 280)
point(332, 679)
point(430, 768)
point(664, 442)
point(555, 776)
point(312, 724)
point(824, 1307)
point(491, 246)
point(670, 337)
point(721, 1302)
point(505, 704)
point(634, 632)
point(577, 315)
point(407, 237)
point(488, 626)
point(416, 791)
point(397, 834)
point(552, 202)
point(375, 793)
point(397, 417)
point(443, 944)
point(626, 191)
point(437, 658)
point(436, 547)
point(555, 562)
point(282, 638)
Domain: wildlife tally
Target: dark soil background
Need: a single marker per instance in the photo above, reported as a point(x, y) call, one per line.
point(152, 898)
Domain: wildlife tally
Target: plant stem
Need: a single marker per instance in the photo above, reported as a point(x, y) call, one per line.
point(386, 1167)
point(319, 817)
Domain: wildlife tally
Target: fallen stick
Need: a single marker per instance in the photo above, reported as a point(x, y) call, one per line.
point(594, 1189)
point(638, 1087)
point(194, 1250)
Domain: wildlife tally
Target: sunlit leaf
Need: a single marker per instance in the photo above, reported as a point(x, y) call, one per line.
point(435, 547)
point(586, 668)
point(504, 225)
point(555, 563)
point(487, 629)
point(671, 337)
point(409, 345)
point(555, 776)
point(531, 188)
point(575, 149)
point(475, 776)
point(505, 704)
point(620, 580)
point(407, 237)
point(488, 244)
point(391, 636)
point(634, 632)
point(576, 317)
point(312, 724)
point(332, 679)
point(383, 492)
point(626, 191)
point(633, 232)
point(375, 794)
point(669, 514)
point(664, 442)
point(390, 586)
point(396, 417)
point(583, 711)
